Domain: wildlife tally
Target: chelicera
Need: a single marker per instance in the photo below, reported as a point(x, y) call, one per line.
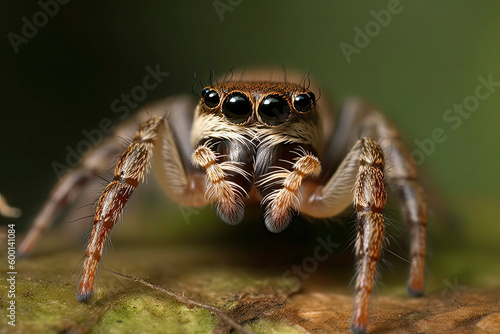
point(262, 140)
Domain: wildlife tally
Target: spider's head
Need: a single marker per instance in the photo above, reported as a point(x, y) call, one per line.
point(262, 104)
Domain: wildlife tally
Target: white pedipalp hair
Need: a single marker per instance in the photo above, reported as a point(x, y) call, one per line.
point(234, 167)
point(274, 177)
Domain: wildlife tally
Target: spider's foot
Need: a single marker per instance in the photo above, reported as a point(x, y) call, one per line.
point(83, 295)
point(231, 213)
point(86, 288)
point(415, 293)
point(358, 329)
point(278, 222)
point(280, 209)
point(416, 280)
point(416, 283)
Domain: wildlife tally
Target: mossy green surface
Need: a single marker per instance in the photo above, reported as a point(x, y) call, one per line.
point(119, 305)
point(153, 314)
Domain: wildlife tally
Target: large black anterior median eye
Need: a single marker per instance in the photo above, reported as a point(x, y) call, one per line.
point(274, 110)
point(210, 97)
point(237, 107)
point(304, 102)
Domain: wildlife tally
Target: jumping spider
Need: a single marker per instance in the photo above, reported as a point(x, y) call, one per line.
point(264, 140)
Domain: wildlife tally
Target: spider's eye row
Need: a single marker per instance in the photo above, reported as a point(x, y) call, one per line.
point(210, 97)
point(237, 107)
point(303, 102)
point(274, 110)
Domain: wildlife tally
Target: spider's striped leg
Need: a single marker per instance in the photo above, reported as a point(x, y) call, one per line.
point(414, 207)
point(369, 198)
point(6, 210)
point(155, 136)
point(228, 165)
point(129, 172)
point(98, 160)
point(280, 172)
point(363, 167)
point(357, 120)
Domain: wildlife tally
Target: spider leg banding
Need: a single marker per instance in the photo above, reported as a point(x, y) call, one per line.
point(129, 172)
point(155, 136)
point(369, 199)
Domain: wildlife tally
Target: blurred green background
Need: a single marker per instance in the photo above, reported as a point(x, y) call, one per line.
point(428, 58)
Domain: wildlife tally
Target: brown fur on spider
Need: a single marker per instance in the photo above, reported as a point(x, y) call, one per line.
point(258, 139)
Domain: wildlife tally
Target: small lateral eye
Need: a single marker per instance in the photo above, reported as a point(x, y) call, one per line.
point(274, 110)
point(237, 108)
point(304, 102)
point(210, 97)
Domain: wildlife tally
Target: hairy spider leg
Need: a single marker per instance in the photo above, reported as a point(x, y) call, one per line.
point(357, 120)
point(363, 167)
point(156, 136)
point(129, 172)
point(370, 196)
point(96, 162)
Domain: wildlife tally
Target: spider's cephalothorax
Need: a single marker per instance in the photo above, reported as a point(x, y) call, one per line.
point(269, 141)
point(258, 134)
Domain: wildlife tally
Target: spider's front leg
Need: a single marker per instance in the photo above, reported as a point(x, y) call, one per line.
point(184, 187)
point(363, 167)
point(97, 161)
point(369, 198)
point(358, 119)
